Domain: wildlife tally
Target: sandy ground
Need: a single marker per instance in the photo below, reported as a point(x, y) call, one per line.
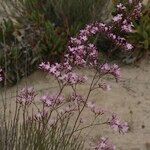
point(130, 98)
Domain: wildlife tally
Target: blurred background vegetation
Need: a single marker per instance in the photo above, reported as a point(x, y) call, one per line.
point(36, 30)
point(39, 30)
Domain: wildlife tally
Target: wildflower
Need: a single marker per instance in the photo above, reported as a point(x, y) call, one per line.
point(137, 11)
point(54, 69)
point(130, 1)
point(117, 18)
point(91, 105)
point(121, 6)
point(52, 100)
point(115, 70)
point(96, 110)
point(105, 87)
point(129, 46)
point(41, 115)
point(26, 96)
point(1, 77)
point(104, 144)
point(111, 69)
point(77, 98)
point(117, 125)
point(72, 78)
point(127, 27)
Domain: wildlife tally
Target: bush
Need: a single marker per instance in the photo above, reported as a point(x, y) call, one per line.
point(17, 58)
point(56, 120)
point(46, 26)
point(136, 25)
point(141, 35)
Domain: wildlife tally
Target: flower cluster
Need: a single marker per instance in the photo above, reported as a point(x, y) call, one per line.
point(137, 12)
point(127, 26)
point(96, 110)
point(81, 52)
point(77, 99)
point(104, 86)
point(52, 100)
point(117, 125)
point(72, 78)
point(1, 77)
point(26, 96)
point(120, 7)
point(111, 69)
point(104, 144)
point(63, 73)
point(117, 18)
point(41, 115)
point(124, 17)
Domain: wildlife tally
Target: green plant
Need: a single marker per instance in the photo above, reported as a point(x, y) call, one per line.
point(16, 56)
point(70, 14)
point(42, 29)
point(141, 35)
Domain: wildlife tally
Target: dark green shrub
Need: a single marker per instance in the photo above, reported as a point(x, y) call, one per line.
point(47, 25)
point(16, 56)
point(141, 35)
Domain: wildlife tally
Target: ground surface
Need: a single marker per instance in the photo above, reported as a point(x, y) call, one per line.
point(130, 98)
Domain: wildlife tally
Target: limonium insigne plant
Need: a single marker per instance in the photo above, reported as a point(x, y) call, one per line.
point(58, 123)
point(122, 25)
point(55, 120)
point(1, 75)
point(125, 17)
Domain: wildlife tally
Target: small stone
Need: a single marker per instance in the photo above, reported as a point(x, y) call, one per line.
point(147, 146)
point(131, 112)
point(143, 126)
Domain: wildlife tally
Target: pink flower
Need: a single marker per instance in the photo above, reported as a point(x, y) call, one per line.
point(41, 115)
point(121, 6)
point(105, 87)
point(72, 78)
point(54, 69)
point(129, 46)
point(117, 18)
point(91, 105)
point(130, 1)
point(105, 68)
point(111, 69)
point(1, 76)
point(117, 125)
point(127, 26)
point(77, 98)
point(115, 70)
point(96, 110)
point(104, 144)
point(26, 96)
point(52, 100)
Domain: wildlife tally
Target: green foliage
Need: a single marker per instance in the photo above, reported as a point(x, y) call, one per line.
point(16, 56)
point(53, 42)
point(70, 14)
point(141, 36)
point(42, 31)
